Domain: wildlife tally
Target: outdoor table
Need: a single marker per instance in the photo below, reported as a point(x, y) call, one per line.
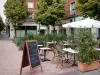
point(40, 45)
point(45, 49)
point(71, 51)
point(66, 45)
point(98, 49)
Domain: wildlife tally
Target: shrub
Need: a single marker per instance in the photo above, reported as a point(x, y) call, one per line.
point(39, 38)
point(86, 46)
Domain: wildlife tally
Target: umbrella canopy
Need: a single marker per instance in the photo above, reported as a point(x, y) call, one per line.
point(86, 23)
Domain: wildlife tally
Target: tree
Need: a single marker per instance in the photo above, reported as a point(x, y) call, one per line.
point(1, 24)
point(16, 12)
point(89, 8)
point(50, 12)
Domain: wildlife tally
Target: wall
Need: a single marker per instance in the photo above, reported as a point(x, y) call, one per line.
point(20, 33)
point(67, 7)
point(12, 32)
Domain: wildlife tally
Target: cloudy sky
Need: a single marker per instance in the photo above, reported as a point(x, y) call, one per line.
point(2, 9)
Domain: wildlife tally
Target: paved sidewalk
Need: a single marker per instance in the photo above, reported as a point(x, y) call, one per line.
point(10, 58)
point(4, 37)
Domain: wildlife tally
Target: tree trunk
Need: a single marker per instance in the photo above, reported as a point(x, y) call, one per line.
point(15, 28)
point(25, 30)
point(39, 29)
point(15, 32)
point(48, 28)
point(54, 30)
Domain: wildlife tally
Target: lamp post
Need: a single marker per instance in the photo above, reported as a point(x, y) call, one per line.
point(74, 19)
point(74, 15)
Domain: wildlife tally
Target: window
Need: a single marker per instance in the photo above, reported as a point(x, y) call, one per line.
point(72, 7)
point(30, 5)
point(21, 28)
point(30, 16)
point(31, 27)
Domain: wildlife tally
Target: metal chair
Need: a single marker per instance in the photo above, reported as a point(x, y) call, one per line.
point(61, 56)
point(54, 53)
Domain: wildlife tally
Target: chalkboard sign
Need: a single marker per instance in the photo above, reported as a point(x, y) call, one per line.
point(30, 55)
point(34, 56)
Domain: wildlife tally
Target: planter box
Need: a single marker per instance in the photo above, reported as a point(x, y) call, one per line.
point(84, 67)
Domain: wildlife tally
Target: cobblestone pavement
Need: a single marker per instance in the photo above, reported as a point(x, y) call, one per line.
point(10, 62)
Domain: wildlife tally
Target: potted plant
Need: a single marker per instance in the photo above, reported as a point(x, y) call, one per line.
point(87, 56)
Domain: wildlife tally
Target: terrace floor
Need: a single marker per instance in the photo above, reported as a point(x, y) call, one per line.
point(10, 62)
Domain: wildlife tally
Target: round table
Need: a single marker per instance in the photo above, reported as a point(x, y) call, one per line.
point(45, 49)
point(40, 45)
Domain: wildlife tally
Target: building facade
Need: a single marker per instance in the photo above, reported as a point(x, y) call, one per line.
point(74, 15)
point(30, 26)
point(71, 13)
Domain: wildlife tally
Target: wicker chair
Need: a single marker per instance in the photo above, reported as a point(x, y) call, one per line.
point(61, 56)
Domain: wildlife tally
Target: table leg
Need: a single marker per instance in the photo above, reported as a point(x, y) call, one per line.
point(41, 54)
point(74, 64)
point(45, 59)
point(67, 54)
point(44, 55)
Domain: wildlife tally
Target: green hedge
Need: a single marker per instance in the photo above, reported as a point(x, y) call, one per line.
point(40, 38)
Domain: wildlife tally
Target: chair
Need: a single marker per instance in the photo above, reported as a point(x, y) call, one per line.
point(54, 48)
point(61, 56)
point(54, 52)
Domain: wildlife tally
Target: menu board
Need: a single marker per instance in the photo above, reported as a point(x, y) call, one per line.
point(30, 55)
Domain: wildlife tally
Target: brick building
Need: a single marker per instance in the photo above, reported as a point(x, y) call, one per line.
point(30, 26)
point(74, 15)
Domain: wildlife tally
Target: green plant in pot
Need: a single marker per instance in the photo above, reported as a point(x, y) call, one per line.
point(87, 56)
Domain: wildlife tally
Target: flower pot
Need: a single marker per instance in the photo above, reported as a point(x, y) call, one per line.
point(84, 67)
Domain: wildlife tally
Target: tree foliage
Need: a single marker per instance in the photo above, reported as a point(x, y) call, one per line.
point(15, 11)
point(89, 8)
point(50, 12)
point(1, 24)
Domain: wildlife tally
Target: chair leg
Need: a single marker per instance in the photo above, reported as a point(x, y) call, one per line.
point(58, 64)
point(53, 56)
point(71, 56)
point(62, 63)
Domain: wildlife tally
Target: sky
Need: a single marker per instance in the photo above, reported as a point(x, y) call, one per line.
point(2, 2)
